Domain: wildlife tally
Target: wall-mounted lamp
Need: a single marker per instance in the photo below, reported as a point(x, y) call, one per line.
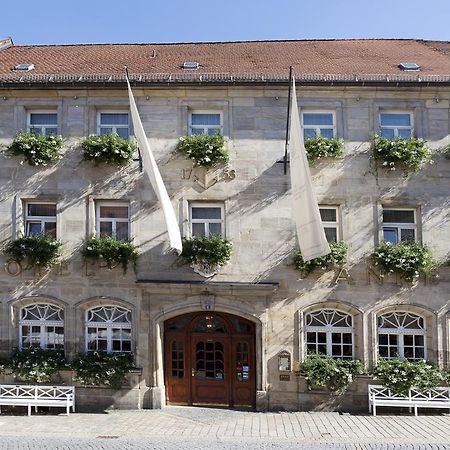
point(4, 98)
point(147, 98)
point(75, 97)
point(436, 99)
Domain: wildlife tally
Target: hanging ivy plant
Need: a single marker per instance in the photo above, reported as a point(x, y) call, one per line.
point(203, 149)
point(215, 250)
point(108, 149)
point(38, 251)
point(408, 259)
point(410, 154)
point(36, 149)
point(110, 250)
point(97, 368)
point(336, 257)
point(402, 375)
point(333, 373)
point(322, 147)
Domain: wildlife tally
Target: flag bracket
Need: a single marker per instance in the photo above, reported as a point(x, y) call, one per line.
point(139, 159)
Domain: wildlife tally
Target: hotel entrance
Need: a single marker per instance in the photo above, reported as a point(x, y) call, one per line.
point(210, 360)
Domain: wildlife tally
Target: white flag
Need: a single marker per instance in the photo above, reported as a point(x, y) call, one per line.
point(151, 169)
point(310, 232)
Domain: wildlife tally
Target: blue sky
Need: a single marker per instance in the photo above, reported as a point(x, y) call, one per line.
point(113, 21)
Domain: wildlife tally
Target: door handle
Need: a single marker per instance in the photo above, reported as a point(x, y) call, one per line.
point(193, 372)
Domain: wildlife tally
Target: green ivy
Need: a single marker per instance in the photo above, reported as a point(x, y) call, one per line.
point(36, 149)
point(336, 257)
point(38, 251)
point(110, 250)
point(410, 154)
point(203, 149)
point(97, 368)
point(322, 147)
point(402, 375)
point(37, 365)
point(108, 148)
point(332, 373)
point(407, 259)
point(215, 250)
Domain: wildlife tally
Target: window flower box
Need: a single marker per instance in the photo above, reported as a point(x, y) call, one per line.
point(322, 147)
point(36, 149)
point(206, 254)
point(204, 150)
point(108, 149)
point(36, 252)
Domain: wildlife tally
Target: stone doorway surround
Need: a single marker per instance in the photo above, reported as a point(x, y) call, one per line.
point(165, 300)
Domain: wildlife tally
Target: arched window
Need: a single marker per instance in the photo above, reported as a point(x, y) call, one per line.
point(108, 329)
point(329, 332)
point(41, 325)
point(401, 335)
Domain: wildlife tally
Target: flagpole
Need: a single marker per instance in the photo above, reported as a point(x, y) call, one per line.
point(286, 144)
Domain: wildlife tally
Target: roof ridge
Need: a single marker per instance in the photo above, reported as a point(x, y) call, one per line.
point(226, 42)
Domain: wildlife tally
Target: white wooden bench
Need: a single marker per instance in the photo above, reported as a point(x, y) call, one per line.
point(379, 395)
point(34, 395)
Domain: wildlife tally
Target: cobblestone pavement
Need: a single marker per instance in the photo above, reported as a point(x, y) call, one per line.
point(204, 428)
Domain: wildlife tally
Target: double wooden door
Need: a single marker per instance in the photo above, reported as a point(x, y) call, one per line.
point(210, 360)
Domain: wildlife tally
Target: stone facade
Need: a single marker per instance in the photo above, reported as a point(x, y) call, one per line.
point(260, 282)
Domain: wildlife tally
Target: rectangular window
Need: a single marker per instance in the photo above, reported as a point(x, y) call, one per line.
point(40, 218)
point(205, 122)
point(396, 124)
point(399, 225)
point(42, 122)
point(113, 122)
point(329, 216)
point(206, 219)
point(113, 219)
point(318, 123)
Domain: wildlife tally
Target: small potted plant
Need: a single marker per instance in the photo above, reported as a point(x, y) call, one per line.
point(111, 251)
point(36, 149)
point(207, 254)
point(108, 149)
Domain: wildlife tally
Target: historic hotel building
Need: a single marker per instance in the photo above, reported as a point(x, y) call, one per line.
point(235, 338)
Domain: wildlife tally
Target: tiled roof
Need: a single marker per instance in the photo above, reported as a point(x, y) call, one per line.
point(313, 60)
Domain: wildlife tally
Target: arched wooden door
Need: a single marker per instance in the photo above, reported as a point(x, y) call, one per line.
point(210, 360)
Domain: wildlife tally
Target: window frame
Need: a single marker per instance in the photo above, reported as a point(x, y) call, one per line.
point(397, 127)
point(399, 226)
point(114, 221)
point(207, 221)
point(219, 128)
point(43, 325)
point(329, 330)
point(401, 332)
point(317, 128)
point(336, 225)
point(42, 219)
point(110, 326)
point(42, 127)
point(113, 127)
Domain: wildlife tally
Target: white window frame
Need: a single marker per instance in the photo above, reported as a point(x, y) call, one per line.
point(317, 128)
point(336, 225)
point(329, 329)
point(401, 332)
point(42, 127)
point(43, 324)
point(205, 128)
point(399, 226)
point(114, 221)
point(42, 219)
point(113, 127)
point(207, 221)
point(109, 325)
point(397, 127)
